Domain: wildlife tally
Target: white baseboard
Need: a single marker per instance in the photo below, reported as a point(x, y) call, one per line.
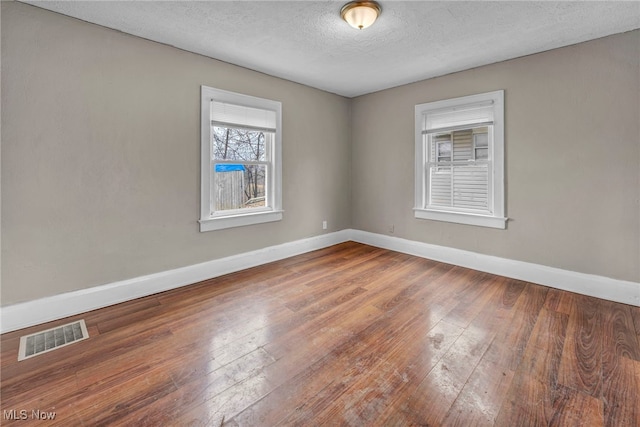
point(581, 283)
point(43, 310)
point(46, 309)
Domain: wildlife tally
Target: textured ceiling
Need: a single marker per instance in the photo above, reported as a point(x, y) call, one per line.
point(307, 42)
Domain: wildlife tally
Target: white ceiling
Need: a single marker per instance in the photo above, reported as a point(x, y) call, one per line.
point(307, 42)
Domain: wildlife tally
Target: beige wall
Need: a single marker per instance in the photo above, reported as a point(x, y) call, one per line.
point(572, 142)
point(100, 156)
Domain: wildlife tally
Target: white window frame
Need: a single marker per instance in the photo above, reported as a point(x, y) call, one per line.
point(210, 220)
point(496, 218)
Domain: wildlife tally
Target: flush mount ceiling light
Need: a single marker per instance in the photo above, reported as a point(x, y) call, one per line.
point(360, 14)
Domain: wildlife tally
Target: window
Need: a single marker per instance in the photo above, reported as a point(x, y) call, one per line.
point(460, 160)
point(241, 167)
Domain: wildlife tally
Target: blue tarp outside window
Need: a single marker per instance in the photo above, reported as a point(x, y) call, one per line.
point(229, 168)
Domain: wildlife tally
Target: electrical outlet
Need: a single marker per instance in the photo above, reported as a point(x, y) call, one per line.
point(324, 225)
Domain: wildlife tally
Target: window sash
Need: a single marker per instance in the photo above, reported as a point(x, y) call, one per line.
point(458, 185)
point(269, 182)
point(267, 191)
point(461, 188)
point(432, 142)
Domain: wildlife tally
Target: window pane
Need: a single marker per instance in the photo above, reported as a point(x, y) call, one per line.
point(440, 194)
point(482, 153)
point(481, 145)
point(470, 187)
point(239, 186)
point(481, 139)
point(463, 186)
point(462, 145)
point(238, 144)
point(444, 152)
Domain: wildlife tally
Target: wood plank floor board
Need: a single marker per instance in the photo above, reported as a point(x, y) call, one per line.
point(383, 334)
point(43, 397)
point(402, 289)
point(620, 394)
point(559, 301)
point(42, 371)
point(319, 318)
point(410, 286)
point(125, 313)
point(513, 337)
point(485, 291)
point(346, 335)
point(350, 344)
point(299, 376)
point(620, 353)
point(581, 364)
point(635, 313)
point(626, 342)
point(572, 408)
point(217, 386)
point(441, 387)
point(365, 396)
point(533, 390)
point(481, 397)
point(124, 398)
point(435, 394)
point(299, 352)
point(447, 290)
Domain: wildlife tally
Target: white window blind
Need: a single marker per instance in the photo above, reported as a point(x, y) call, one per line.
point(224, 114)
point(458, 117)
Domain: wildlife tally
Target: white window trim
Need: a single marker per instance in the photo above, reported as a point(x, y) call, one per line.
point(497, 218)
point(208, 221)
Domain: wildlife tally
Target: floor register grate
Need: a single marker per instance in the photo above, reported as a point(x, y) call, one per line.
point(52, 339)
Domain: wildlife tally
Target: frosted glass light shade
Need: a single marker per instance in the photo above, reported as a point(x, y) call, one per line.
point(360, 14)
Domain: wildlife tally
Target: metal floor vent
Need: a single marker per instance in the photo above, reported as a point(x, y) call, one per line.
point(51, 339)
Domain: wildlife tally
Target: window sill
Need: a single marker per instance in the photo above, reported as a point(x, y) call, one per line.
point(462, 218)
point(239, 220)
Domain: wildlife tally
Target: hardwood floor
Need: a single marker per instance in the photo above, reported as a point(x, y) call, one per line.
point(348, 335)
